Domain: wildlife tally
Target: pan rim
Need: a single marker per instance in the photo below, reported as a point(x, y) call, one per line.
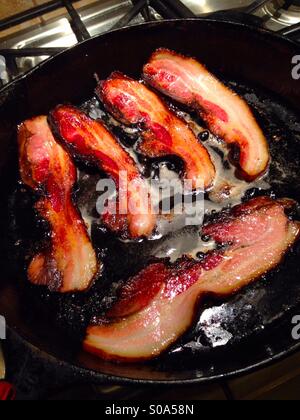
point(101, 378)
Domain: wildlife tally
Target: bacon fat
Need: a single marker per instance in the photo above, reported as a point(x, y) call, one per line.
point(159, 304)
point(69, 263)
point(163, 132)
point(226, 114)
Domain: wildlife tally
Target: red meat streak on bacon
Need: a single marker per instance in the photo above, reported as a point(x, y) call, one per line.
point(159, 304)
point(70, 262)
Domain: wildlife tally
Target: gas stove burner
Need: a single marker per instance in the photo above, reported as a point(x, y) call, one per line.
point(284, 12)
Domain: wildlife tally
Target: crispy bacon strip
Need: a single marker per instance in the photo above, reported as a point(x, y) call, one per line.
point(70, 264)
point(90, 140)
point(163, 133)
point(159, 304)
point(226, 114)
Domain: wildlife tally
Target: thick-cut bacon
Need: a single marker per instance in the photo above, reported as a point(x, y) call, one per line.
point(159, 304)
point(163, 133)
point(226, 114)
point(70, 262)
point(91, 141)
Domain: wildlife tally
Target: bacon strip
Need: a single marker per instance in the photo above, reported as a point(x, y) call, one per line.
point(163, 133)
point(70, 264)
point(226, 114)
point(91, 141)
point(159, 304)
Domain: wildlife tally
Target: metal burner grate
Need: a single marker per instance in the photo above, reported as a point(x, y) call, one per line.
point(149, 9)
point(18, 56)
point(283, 12)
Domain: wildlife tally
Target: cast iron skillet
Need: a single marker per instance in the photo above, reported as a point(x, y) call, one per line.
point(258, 64)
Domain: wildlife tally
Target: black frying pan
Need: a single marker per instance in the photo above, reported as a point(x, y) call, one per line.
point(258, 65)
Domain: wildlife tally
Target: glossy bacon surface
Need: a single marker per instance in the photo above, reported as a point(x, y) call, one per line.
point(92, 142)
point(159, 304)
point(70, 263)
point(226, 114)
point(163, 133)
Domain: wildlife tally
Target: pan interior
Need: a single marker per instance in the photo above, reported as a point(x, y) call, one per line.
point(221, 325)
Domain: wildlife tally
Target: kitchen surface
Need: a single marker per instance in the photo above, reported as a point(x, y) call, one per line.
point(28, 35)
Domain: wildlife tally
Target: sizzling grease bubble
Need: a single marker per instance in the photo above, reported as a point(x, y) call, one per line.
point(93, 109)
point(211, 322)
point(185, 242)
